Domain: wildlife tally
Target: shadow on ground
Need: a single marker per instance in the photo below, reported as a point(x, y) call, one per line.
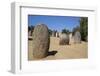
point(52, 53)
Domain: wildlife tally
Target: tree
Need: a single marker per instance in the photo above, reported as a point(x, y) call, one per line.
point(50, 32)
point(65, 31)
point(84, 28)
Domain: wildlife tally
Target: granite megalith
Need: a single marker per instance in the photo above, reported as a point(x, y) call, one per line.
point(64, 39)
point(77, 37)
point(41, 41)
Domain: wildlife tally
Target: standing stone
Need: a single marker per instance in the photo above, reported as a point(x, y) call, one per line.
point(77, 37)
point(60, 34)
point(53, 33)
point(41, 41)
point(57, 34)
point(64, 39)
point(71, 38)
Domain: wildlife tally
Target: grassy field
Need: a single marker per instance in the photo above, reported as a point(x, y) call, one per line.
point(56, 51)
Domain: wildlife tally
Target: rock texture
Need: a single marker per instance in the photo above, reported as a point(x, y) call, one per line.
point(41, 41)
point(64, 39)
point(77, 37)
point(57, 34)
point(71, 38)
point(53, 33)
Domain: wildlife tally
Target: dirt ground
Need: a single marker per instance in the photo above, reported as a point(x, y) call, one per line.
point(56, 51)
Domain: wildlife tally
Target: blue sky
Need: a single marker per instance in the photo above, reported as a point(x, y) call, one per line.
point(54, 22)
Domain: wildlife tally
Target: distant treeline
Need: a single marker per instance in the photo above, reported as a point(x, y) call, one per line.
point(82, 28)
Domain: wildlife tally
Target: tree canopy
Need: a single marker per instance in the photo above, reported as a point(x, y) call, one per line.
point(66, 31)
point(84, 28)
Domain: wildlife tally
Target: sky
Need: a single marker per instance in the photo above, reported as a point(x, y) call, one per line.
point(54, 22)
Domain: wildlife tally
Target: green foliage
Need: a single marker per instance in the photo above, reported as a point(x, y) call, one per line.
point(84, 28)
point(50, 32)
point(65, 31)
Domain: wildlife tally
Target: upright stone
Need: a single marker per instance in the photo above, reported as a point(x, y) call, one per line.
point(53, 33)
point(41, 41)
point(64, 39)
point(77, 37)
point(71, 38)
point(57, 34)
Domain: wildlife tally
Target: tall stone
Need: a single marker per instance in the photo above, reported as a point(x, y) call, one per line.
point(57, 34)
point(53, 33)
point(41, 41)
point(64, 39)
point(71, 38)
point(77, 37)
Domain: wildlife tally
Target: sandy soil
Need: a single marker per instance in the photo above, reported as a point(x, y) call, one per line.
point(56, 51)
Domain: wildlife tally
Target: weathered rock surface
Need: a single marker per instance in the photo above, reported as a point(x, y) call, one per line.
point(64, 39)
point(77, 37)
point(41, 41)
